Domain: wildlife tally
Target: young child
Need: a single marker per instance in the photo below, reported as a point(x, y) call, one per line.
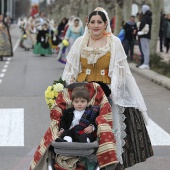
point(78, 123)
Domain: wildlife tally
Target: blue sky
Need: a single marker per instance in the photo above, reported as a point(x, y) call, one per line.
point(34, 1)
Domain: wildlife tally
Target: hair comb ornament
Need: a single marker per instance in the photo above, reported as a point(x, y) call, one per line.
point(101, 9)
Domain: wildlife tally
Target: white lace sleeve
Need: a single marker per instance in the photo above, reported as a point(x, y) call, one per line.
point(73, 67)
point(125, 91)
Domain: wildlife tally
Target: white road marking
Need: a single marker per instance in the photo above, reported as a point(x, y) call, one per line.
point(0, 81)
point(158, 136)
point(16, 45)
point(3, 70)
point(12, 127)
point(5, 66)
point(2, 75)
point(7, 62)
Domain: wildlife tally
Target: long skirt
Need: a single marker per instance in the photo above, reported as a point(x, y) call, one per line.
point(5, 44)
point(137, 146)
point(38, 49)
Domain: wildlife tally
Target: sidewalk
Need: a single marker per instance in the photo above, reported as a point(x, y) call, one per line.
point(149, 74)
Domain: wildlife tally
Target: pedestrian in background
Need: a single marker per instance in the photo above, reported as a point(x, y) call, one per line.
point(42, 46)
point(5, 40)
point(74, 31)
point(144, 39)
point(61, 27)
point(161, 32)
point(130, 29)
point(166, 26)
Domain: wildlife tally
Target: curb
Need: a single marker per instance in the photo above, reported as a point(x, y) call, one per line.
point(151, 75)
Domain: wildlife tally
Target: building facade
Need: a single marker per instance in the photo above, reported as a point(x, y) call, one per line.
point(7, 7)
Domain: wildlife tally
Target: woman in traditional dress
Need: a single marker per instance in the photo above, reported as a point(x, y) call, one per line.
point(74, 31)
point(42, 46)
point(98, 56)
point(5, 40)
point(54, 40)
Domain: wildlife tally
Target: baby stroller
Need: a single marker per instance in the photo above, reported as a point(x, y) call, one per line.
point(101, 152)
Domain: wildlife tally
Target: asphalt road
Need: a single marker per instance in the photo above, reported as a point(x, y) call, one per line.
point(23, 82)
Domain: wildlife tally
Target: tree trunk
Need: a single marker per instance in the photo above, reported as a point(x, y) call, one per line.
point(127, 10)
point(118, 19)
point(156, 11)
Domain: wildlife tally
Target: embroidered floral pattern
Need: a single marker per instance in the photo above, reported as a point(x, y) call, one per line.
point(88, 71)
point(102, 72)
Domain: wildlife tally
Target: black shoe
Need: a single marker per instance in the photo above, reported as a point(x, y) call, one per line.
point(1, 58)
point(138, 65)
point(42, 55)
point(60, 140)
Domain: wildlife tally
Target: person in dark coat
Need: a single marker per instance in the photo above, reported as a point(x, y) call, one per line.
point(161, 32)
point(144, 39)
point(78, 123)
point(61, 27)
point(130, 29)
point(166, 26)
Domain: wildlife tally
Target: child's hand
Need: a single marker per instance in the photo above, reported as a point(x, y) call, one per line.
point(88, 129)
point(60, 132)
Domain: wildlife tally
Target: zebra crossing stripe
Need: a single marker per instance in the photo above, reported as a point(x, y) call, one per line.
point(158, 136)
point(12, 127)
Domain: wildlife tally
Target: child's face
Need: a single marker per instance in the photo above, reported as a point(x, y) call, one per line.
point(80, 104)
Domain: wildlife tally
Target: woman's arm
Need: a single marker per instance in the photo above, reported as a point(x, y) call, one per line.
point(73, 67)
point(68, 33)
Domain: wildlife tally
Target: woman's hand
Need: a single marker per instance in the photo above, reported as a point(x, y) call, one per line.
point(88, 129)
point(72, 80)
point(60, 132)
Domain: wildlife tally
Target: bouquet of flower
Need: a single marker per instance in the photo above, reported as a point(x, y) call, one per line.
point(52, 92)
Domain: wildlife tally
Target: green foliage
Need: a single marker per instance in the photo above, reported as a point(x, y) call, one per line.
point(158, 65)
point(63, 82)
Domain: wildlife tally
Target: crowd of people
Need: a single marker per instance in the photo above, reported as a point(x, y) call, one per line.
point(46, 37)
point(94, 54)
point(138, 31)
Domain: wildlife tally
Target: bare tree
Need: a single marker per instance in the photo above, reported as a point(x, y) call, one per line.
point(156, 7)
point(22, 8)
point(127, 9)
point(119, 16)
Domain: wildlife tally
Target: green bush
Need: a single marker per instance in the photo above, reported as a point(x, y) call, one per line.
point(158, 65)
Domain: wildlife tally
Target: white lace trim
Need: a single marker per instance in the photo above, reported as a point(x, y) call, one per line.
point(93, 54)
point(119, 130)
